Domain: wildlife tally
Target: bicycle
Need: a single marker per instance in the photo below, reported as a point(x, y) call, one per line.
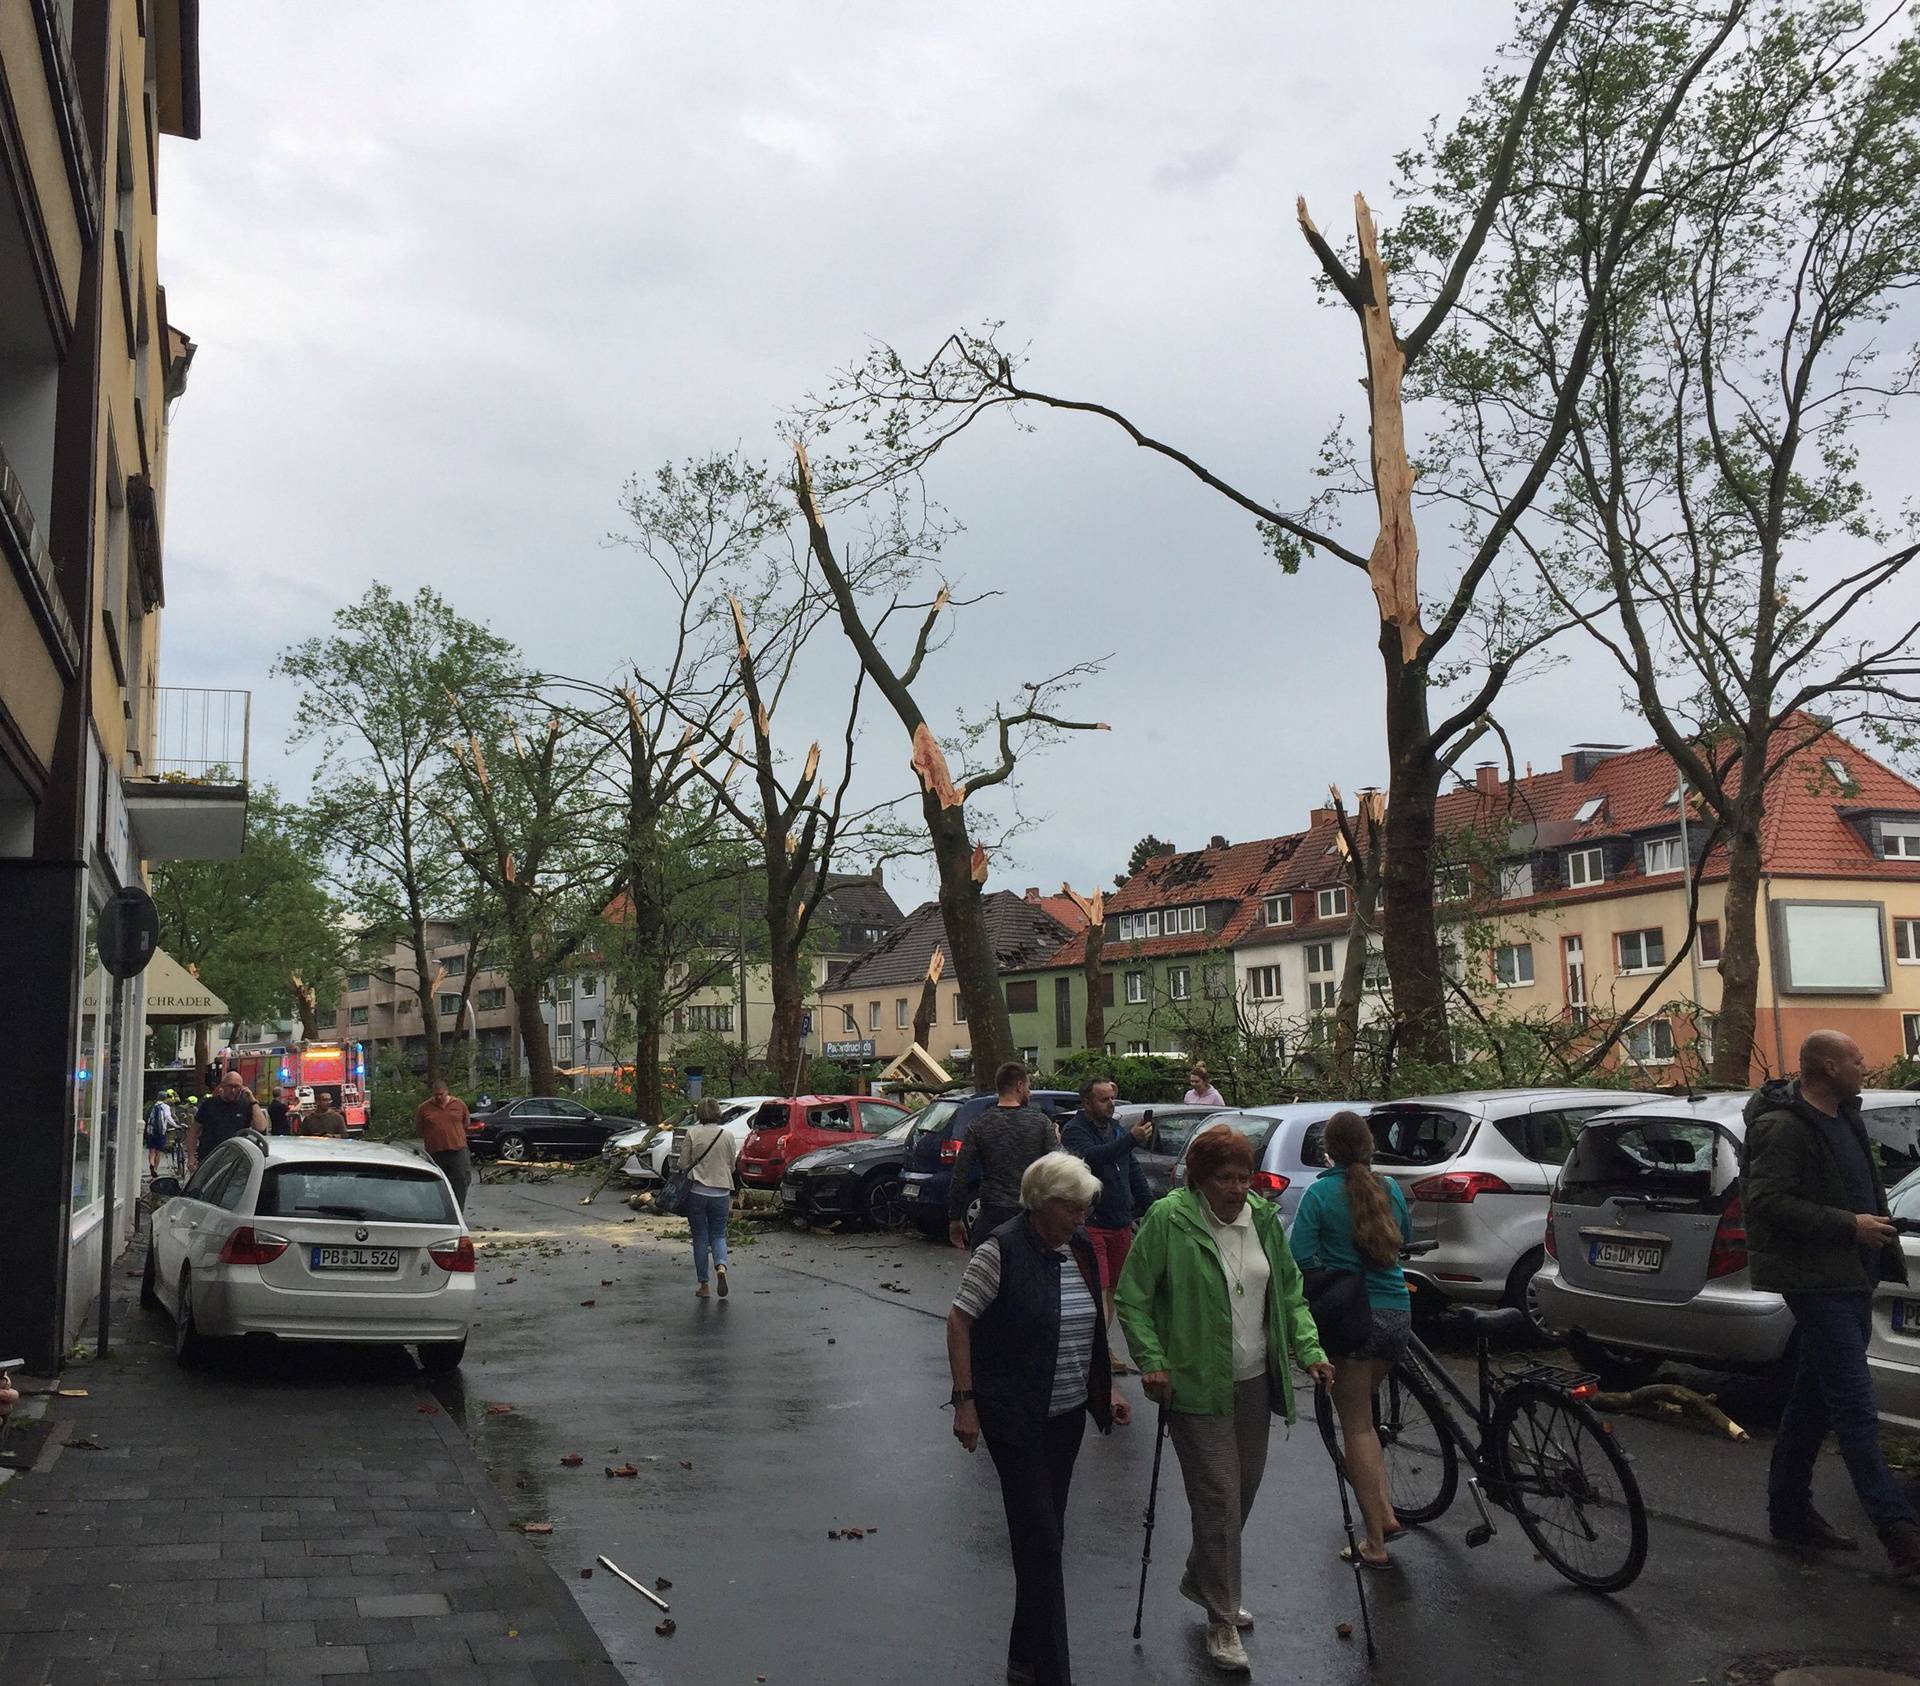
point(1536, 1450)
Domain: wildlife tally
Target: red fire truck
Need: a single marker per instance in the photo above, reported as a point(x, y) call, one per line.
point(308, 1068)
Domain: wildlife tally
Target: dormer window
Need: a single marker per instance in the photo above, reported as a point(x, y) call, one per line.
point(1332, 903)
point(1662, 854)
point(1900, 842)
point(1588, 810)
point(1279, 910)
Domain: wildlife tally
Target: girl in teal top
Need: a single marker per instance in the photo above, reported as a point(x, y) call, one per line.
point(1354, 1219)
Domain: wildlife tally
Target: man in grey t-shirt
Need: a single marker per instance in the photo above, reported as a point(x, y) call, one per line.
point(1003, 1141)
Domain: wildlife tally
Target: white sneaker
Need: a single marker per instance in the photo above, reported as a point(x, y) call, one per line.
point(1242, 1619)
point(1225, 1649)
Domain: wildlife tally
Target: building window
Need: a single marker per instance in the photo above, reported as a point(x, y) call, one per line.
point(1373, 973)
point(1910, 1028)
point(1573, 954)
point(449, 1006)
point(1651, 1043)
point(1900, 842)
point(356, 981)
point(873, 1015)
point(1709, 942)
point(1264, 981)
point(455, 965)
point(1830, 948)
point(718, 1018)
point(1640, 951)
point(356, 1015)
point(959, 1008)
point(1179, 983)
point(1319, 957)
point(1452, 884)
point(1153, 924)
point(589, 1034)
point(1136, 987)
point(1323, 995)
point(1136, 1047)
point(1332, 903)
point(1513, 965)
point(1126, 927)
point(491, 1001)
point(1586, 866)
point(900, 1009)
point(1662, 854)
point(1213, 979)
point(1023, 997)
point(588, 985)
point(1030, 1057)
point(1906, 941)
point(1279, 910)
point(1516, 882)
point(1588, 810)
point(565, 1012)
point(1838, 769)
point(563, 1050)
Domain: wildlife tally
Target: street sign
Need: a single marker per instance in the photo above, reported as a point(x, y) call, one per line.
point(861, 1050)
point(806, 1023)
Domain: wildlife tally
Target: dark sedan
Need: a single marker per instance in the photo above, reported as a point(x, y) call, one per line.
point(543, 1127)
point(857, 1179)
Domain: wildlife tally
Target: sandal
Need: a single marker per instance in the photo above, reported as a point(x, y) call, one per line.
point(1366, 1562)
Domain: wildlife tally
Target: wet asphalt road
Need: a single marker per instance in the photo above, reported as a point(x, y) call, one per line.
point(810, 1401)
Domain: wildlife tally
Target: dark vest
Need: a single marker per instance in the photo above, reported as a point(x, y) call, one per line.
point(1016, 1340)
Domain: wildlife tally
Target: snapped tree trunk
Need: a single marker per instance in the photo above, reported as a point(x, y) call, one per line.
point(1409, 938)
point(1734, 1028)
point(533, 1037)
point(308, 1009)
point(1094, 947)
point(976, 969)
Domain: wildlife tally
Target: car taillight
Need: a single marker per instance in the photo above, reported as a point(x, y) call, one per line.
point(1553, 1247)
point(1457, 1188)
point(453, 1255)
point(250, 1246)
point(1729, 1242)
point(949, 1151)
point(1269, 1182)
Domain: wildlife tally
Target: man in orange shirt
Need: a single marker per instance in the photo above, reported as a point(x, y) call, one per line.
point(441, 1120)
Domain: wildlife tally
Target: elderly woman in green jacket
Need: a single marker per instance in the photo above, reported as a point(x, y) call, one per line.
point(1216, 1319)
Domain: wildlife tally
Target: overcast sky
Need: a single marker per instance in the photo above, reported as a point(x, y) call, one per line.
point(457, 270)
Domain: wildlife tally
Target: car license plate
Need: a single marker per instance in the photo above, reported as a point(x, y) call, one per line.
point(790, 1192)
point(1626, 1255)
point(1906, 1317)
point(909, 1191)
point(355, 1258)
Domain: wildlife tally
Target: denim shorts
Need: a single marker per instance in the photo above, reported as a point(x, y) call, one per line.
point(1391, 1329)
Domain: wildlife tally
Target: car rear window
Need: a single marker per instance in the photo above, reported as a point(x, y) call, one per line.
point(387, 1193)
point(1903, 1200)
point(1676, 1163)
point(931, 1119)
point(1416, 1135)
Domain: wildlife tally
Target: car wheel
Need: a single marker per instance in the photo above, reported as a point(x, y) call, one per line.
point(149, 1293)
point(189, 1345)
point(1615, 1366)
point(513, 1147)
point(439, 1358)
point(880, 1201)
point(973, 1213)
point(1520, 1295)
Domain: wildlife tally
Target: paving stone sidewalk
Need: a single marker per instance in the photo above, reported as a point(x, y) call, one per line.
point(302, 1518)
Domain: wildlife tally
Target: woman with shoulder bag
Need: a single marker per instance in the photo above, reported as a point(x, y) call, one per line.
point(1353, 1222)
point(709, 1156)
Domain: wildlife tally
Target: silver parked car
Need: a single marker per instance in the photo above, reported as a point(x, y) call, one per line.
point(647, 1155)
point(1893, 1352)
point(1286, 1146)
point(1477, 1169)
point(1649, 1245)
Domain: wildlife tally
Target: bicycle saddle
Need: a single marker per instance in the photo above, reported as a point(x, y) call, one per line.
point(1487, 1323)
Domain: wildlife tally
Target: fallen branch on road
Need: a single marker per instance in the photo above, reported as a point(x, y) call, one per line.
point(1670, 1400)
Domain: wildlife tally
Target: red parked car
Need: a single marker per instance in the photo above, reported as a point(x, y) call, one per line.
point(783, 1130)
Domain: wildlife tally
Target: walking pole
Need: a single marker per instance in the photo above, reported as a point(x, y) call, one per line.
point(1153, 1501)
point(1323, 1409)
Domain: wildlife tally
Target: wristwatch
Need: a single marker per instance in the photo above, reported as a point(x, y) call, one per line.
point(961, 1395)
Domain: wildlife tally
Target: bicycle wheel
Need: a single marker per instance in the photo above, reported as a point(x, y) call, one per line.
point(1564, 1478)
point(1423, 1468)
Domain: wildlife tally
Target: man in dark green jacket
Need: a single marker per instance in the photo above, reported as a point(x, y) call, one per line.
point(1818, 1233)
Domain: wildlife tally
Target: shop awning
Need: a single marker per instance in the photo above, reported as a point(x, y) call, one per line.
point(174, 995)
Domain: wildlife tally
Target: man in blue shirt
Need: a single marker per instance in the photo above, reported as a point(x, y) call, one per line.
point(1091, 1134)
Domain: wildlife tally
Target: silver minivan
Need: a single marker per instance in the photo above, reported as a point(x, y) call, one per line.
point(1477, 1168)
point(1649, 1243)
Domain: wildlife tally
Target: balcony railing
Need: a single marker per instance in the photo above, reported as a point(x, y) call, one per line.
point(201, 735)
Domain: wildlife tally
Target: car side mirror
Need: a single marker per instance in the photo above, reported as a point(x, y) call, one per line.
point(164, 1188)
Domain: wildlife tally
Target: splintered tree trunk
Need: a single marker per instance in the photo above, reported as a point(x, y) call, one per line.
point(308, 1009)
point(976, 970)
point(1346, 1013)
point(1733, 1029)
point(533, 1038)
point(784, 1039)
point(1090, 974)
point(1408, 937)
